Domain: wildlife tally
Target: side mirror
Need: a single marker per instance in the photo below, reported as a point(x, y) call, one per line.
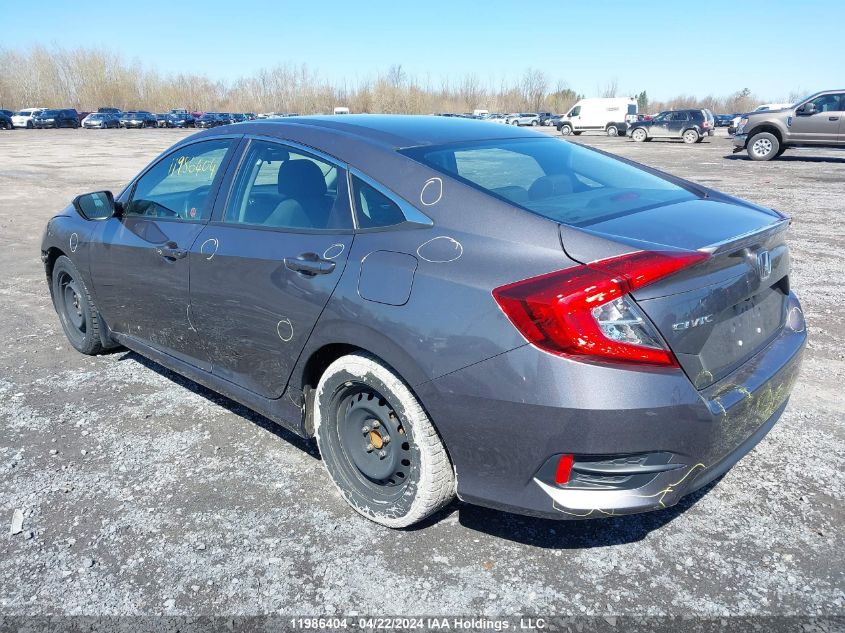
point(99, 205)
point(807, 109)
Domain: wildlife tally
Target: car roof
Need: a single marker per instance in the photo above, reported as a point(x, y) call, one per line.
point(396, 131)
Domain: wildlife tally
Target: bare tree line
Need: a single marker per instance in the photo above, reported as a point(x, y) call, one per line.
point(86, 78)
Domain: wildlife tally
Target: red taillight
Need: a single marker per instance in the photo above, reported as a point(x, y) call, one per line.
point(556, 311)
point(564, 469)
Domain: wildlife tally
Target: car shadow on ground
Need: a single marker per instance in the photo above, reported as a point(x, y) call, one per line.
point(792, 158)
point(538, 532)
point(308, 446)
point(578, 534)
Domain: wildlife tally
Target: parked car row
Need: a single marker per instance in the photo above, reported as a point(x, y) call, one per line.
point(105, 118)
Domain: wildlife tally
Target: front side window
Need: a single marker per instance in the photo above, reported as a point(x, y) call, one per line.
point(829, 103)
point(575, 111)
point(178, 187)
point(564, 182)
point(282, 187)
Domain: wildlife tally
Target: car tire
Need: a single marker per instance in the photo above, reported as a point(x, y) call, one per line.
point(515, 122)
point(566, 129)
point(763, 146)
point(77, 312)
point(29, 125)
point(612, 130)
point(534, 123)
point(690, 136)
point(639, 135)
point(357, 399)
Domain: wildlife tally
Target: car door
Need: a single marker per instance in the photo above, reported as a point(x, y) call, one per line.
point(263, 270)
point(659, 127)
point(677, 123)
point(825, 125)
point(574, 117)
point(140, 264)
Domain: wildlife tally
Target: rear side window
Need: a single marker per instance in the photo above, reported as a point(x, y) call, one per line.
point(564, 182)
point(374, 208)
point(286, 188)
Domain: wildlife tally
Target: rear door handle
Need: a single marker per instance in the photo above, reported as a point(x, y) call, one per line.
point(171, 251)
point(309, 264)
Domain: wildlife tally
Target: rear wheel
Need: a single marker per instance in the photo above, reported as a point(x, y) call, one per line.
point(514, 122)
point(639, 135)
point(612, 130)
point(690, 137)
point(566, 129)
point(763, 146)
point(378, 445)
point(75, 307)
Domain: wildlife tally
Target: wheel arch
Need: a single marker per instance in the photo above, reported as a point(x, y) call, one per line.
point(765, 127)
point(314, 362)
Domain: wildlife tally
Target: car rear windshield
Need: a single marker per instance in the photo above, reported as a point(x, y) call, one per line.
point(562, 181)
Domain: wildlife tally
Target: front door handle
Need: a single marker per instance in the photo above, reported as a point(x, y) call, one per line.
point(833, 118)
point(171, 251)
point(309, 264)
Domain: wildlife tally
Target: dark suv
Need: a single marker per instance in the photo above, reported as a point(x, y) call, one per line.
point(56, 118)
point(691, 125)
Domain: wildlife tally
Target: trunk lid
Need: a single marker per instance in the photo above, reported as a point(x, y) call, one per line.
point(718, 314)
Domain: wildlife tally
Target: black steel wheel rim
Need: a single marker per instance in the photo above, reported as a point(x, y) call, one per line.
point(72, 300)
point(373, 442)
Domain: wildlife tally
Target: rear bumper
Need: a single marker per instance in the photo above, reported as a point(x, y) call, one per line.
point(503, 419)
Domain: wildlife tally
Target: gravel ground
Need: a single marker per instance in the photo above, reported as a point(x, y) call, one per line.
point(138, 492)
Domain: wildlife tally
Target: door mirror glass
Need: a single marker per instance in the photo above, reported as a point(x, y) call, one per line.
point(807, 109)
point(95, 206)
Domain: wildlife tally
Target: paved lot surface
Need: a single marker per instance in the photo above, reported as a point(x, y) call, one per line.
point(144, 493)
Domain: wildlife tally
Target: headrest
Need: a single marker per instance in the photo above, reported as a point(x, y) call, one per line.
point(548, 186)
point(301, 178)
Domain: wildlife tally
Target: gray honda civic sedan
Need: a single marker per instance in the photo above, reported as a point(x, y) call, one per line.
point(451, 307)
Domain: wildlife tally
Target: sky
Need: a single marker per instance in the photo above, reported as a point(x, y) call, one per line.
point(697, 47)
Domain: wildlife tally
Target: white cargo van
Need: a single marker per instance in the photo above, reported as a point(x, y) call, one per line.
point(611, 116)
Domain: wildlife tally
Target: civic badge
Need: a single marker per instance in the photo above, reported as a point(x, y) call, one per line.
point(764, 265)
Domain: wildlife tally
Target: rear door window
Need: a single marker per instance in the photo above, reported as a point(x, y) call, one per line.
point(283, 187)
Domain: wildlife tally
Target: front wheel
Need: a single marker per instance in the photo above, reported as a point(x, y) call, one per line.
point(75, 307)
point(378, 444)
point(566, 130)
point(763, 146)
point(534, 123)
point(639, 135)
